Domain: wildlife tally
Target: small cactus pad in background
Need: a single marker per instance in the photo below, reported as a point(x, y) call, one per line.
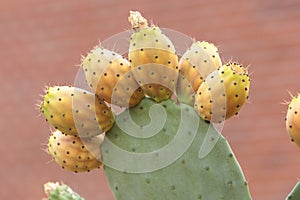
point(109, 76)
point(293, 120)
point(57, 191)
point(217, 176)
point(198, 62)
point(223, 93)
point(153, 59)
point(75, 111)
point(295, 193)
point(75, 154)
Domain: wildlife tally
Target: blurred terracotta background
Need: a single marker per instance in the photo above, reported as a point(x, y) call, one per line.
point(41, 43)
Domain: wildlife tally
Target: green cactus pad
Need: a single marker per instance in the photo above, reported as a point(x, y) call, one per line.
point(62, 192)
point(182, 174)
point(295, 193)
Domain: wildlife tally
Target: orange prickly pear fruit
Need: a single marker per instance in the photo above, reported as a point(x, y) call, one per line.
point(153, 59)
point(198, 62)
point(109, 76)
point(293, 120)
point(76, 111)
point(223, 93)
point(75, 154)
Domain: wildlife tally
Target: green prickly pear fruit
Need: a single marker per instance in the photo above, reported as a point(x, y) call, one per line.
point(223, 93)
point(109, 76)
point(198, 62)
point(76, 111)
point(293, 120)
point(58, 191)
point(153, 59)
point(75, 154)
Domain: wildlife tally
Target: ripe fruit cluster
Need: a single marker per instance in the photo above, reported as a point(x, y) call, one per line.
point(152, 70)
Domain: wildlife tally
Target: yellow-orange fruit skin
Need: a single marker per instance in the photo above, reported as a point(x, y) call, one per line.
point(293, 120)
point(75, 154)
point(223, 93)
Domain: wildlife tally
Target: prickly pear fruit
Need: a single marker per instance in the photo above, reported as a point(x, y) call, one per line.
point(58, 191)
point(109, 76)
point(76, 111)
point(75, 154)
point(223, 93)
point(198, 62)
point(184, 91)
point(293, 120)
point(153, 59)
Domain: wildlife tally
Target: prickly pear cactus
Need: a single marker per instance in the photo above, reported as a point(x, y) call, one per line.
point(159, 147)
point(217, 176)
point(57, 191)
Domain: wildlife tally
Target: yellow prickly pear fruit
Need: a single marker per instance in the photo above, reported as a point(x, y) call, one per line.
point(75, 154)
point(153, 59)
point(293, 120)
point(76, 111)
point(223, 93)
point(109, 76)
point(198, 62)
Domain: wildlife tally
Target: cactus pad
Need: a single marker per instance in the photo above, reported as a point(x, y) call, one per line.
point(216, 176)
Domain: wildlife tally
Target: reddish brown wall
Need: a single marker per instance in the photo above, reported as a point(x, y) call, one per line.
point(41, 42)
